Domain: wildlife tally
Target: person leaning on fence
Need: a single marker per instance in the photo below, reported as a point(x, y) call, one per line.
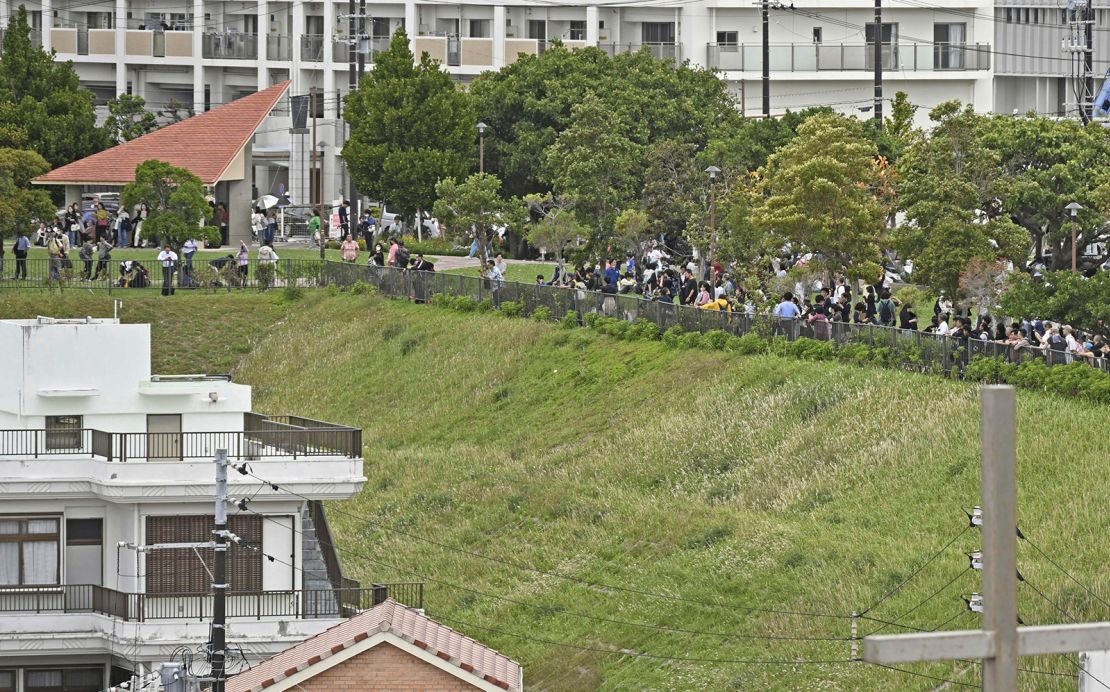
point(377, 257)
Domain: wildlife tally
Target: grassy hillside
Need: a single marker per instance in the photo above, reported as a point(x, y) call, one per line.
point(725, 483)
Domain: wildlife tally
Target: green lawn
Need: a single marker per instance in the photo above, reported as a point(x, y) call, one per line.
point(522, 273)
point(736, 482)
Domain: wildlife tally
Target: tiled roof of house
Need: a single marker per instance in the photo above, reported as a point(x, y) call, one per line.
point(205, 144)
point(466, 654)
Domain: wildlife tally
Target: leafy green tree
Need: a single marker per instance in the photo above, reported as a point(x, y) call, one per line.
point(747, 145)
point(633, 228)
point(42, 104)
point(175, 112)
point(673, 186)
point(1061, 295)
point(1047, 164)
point(476, 204)
point(898, 131)
point(128, 118)
point(20, 204)
point(410, 128)
point(821, 194)
point(950, 189)
point(557, 225)
point(594, 164)
point(176, 200)
point(529, 103)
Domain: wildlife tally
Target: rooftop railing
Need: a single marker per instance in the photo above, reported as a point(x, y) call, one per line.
point(845, 57)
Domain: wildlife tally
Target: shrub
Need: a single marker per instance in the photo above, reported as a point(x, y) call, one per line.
point(691, 340)
point(810, 349)
point(672, 335)
point(591, 319)
point(643, 330)
point(486, 305)
point(715, 339)
point(1032, 374)
point(542, 314)
point(360, 288)
point(465, 304)
point(858, 354)
point(749, 344)
point(984, 370)
point(570, 320)
point(511, 308)
point(292, 293)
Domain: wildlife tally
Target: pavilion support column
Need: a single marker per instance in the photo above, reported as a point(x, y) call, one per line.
point(198, 56)
point(239, 200)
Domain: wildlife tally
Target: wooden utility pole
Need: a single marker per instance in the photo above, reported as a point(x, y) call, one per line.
point(1001, 642)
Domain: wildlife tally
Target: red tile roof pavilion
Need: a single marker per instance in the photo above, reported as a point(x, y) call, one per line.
point(206, 145)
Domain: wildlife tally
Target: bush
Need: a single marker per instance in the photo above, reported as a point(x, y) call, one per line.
point(810, 349)
point(292, 293)
point(331, 244)
point(987, 370)
point(749, 344)
point(672, 335)
point(511, 308)
point(715, 339)
point(542, 314)
point(360, 288)
point(591, 319)
point(643, 330)
point(691, 340)
point(570, 320)
point(485, 306)
point(857, 354)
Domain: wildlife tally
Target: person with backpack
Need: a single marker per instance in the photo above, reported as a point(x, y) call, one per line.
point(887, 311)
point(401, 258)
point(86, 256)
point(20, 248)
point(56, 249)
point(103, 256)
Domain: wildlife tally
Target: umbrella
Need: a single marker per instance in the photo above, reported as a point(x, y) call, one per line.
point(266, 201)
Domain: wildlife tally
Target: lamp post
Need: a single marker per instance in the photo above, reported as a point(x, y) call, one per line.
point(482, 147)
point(1074, 208)
point(712, 171)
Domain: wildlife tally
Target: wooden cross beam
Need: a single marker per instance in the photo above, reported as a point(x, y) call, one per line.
point(1000, 642)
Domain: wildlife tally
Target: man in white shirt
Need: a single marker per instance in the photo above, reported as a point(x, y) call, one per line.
point(168, 258)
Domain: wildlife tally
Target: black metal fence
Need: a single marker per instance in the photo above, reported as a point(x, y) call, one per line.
point(142, 607)
point(910, 348)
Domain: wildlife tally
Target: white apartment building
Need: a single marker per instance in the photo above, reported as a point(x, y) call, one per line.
point(999, 55)
point(99, 463)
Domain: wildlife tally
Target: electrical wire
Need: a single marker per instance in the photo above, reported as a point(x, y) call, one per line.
point(950, 582)
point(245, 469)
point(1057, 565)
point(1025, 580)
point(563, 611)
point(923, 675)
point(916, 571)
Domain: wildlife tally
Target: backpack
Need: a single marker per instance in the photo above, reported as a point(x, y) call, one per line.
point(886, 312)
point(402, 256)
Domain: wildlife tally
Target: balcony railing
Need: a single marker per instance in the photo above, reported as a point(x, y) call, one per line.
point(230, 45)
point(817, 57)
point(312, 48)
point(278, 47)
point(145, 607)
point(663, 51)
point(262, 437)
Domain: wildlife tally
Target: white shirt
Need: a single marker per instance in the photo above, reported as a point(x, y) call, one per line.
point(266, 255)
point(190, 246)
point(168, 258)
point(942, 328)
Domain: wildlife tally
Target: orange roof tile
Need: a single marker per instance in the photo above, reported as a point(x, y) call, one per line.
point(204, 144)
point(469, 657)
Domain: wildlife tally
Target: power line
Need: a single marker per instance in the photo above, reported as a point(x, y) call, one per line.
point(572, 613)
point(1069, 618)
point(923, 675)
point(916, 571)
point(1057, 565)
point(245, 469)
point(929, 598)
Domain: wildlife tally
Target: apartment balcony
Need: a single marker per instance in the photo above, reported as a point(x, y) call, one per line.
point(229, 45)
point(312, 458)
point(312, 49)
point(279, 47)
point(663, 51)
point(256, 605)
point(842, 57)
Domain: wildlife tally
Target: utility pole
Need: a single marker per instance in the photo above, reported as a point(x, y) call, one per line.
point(317, 178)
point(219, 586)
point(767, 60)
point(352, 83)
point(1088, 69)
point(879, 61)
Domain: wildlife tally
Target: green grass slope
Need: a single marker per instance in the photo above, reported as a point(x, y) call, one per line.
point(730, 485)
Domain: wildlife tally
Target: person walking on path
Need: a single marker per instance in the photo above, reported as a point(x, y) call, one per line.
point(314, 228)
point(244, 259)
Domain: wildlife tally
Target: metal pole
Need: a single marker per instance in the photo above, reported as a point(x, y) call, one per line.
point(481, 152)
point(1074, 249)
point(766, 61)
point(219, 586)
point(1000, 536)
point(352, 84)
point(318, 182)
point(879, 61)
point(1088, 73)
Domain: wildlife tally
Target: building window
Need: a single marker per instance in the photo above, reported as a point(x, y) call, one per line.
point(817, 34)
point(182, 571)
point(380, 27)
point(7, 681)
point(29, 551)
point(64, 680)
point(657, 32)
point(479, 28)
point(728, 38)
point(948, 43)
point(63, 433)
point(577, 30)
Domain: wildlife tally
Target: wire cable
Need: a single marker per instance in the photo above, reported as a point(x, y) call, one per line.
point(244, 469)
point(1069, 619)
point(1057, 565)
point(916, 571)
point(923, 675)
point(929, 598)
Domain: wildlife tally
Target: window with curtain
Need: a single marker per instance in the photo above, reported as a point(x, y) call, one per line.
point(29, 551)
point(949, 43)
point(63, 680)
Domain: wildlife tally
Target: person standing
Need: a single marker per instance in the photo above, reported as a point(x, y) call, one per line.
point(349, 249)
point(393, 247)
point(103, 254)
point(102, 221)
point(123, 228)
point(345, 218)
point(55, 248)
point(271, 229)
point(189, 248)
point(20, 248)
point(168, 258)
point(141, 215)
point(86, 255)
point(258, 224)
point(244, 259)
point(222, 220)
point(73, 223)
point(314, 224)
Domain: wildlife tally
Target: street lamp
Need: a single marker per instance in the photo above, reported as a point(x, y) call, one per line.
point(482, 147)
point(712, 171)
point(1074, 208)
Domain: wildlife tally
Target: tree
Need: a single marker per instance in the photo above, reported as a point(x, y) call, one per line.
point(950, 189)
point(475, 204)
point(176, 200)
point(128, 118)
point(175, 112)
point(410, 128)
point(633, 228)
point(821, 195)
point(593, 163)
point(746, 146)
point(1067, 296)
point(1047, 164)
point(557, 225)
point(673, 186)
point(20, 204)
point(42, 104)
point(983, 282)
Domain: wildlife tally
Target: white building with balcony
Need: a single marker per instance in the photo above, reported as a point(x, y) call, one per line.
point(208, 52)
point(101, 462)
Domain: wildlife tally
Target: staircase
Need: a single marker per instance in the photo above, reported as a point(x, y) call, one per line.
point(319, 593)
